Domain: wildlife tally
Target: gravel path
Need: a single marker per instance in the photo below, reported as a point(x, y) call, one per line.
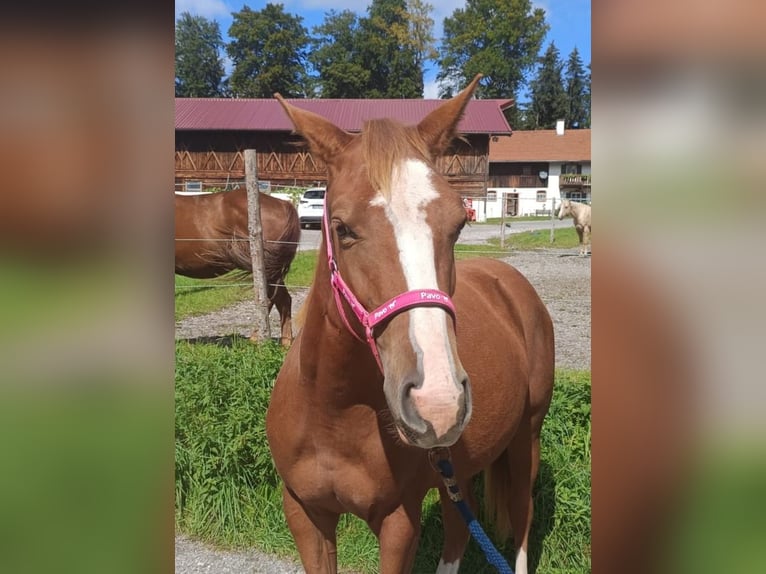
point(561, 278)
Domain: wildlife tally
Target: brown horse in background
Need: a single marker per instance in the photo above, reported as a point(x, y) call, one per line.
point(358, 406)
point(580, 212)
point(212, 239)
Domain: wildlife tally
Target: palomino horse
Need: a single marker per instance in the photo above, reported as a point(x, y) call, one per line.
point(580, 212)
point(212, 239)
point(364, 396)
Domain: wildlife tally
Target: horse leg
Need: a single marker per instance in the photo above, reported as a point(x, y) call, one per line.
point(580, 231)
point(523, 461)
point(399, 534)
point(586, 232)
point(456, 533)
point(284, 305)
point(314, 535)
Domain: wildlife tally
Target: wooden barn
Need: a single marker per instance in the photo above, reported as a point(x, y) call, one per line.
point(212, 133)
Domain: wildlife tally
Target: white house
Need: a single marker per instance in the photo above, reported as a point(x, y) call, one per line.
point(531, 171)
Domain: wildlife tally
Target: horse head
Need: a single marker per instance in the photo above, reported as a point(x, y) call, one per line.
point(565, 209)
point(393, 221)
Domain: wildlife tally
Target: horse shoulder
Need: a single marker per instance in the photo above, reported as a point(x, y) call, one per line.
point(497, 304)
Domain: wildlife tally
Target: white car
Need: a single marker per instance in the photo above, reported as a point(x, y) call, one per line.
point(311, 207)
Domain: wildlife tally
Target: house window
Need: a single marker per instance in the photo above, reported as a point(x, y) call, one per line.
point(193, 186)
point(571, 168)
point(491, 196)
point(542, 195)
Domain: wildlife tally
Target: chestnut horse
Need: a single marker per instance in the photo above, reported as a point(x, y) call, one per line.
point(363, 397)
point(580, 212)
point(212, 239)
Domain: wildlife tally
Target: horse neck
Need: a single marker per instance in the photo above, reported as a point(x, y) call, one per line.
point(332, 359)
point(579, 210)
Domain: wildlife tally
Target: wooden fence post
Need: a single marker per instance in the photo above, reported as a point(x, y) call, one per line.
point(503, 207)
point(553, 220)
point(262, 329)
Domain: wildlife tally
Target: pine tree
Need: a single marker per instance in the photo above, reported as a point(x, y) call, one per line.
point(548, 97)
point(577, 91)
point(199, 66)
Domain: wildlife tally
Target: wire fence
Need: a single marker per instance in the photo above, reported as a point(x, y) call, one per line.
point(221, 282)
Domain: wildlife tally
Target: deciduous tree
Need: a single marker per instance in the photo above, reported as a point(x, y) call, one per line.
point(498, 38)
point(390, 52)
point(199, 66)
point(269, 53)
point(337, 57)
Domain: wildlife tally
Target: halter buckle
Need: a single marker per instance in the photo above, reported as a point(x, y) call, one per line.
point(436, 454)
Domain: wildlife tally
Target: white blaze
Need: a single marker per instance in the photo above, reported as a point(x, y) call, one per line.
point(411, 192)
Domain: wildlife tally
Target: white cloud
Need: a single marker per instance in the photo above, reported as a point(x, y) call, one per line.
point(431, 90)
point(210, 9)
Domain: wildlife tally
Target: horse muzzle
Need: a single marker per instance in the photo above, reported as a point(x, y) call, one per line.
point(428, 416)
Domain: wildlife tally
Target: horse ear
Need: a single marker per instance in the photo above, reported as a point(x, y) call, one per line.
point(439, 128)
point(324, 137)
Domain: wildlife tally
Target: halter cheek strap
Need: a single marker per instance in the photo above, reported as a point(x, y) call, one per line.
point(394, 306)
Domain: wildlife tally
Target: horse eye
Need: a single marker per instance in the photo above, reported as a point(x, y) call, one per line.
point(344, 231)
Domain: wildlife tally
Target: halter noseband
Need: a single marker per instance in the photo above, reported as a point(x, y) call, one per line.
point(394, 306)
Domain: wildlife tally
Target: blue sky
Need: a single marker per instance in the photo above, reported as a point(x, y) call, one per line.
point(569, 20)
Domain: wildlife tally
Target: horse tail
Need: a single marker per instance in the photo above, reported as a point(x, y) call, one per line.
point(497, 495)
point(280, 252)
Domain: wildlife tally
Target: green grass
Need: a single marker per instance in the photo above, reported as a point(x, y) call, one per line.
point(199, 296)
point(302, 269)
point(498, 220)
point(227, 491)
point(564, 238)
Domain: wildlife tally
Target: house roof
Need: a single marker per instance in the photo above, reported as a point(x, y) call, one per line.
point(541, 145)
point(481, 116)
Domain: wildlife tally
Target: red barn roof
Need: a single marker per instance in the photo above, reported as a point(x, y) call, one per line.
point(541, 145)
point(481, 116)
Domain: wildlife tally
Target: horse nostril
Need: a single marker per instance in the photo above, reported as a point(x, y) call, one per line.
point(407, 402)
point(467, 407)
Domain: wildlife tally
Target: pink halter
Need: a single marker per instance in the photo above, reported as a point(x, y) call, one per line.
point(394, 306)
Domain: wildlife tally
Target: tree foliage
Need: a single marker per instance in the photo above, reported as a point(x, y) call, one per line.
point(577, 86)
point(337, 56)
point(269, 53)
point(549, 99)
point(498, 38)
point(381, 55)
point(384, 54)
point(389, 51)
point(199, 66)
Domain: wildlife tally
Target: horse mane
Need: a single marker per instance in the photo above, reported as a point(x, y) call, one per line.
point(386, 144)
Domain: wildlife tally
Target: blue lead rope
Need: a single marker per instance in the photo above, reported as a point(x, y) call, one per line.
point(493, 556)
